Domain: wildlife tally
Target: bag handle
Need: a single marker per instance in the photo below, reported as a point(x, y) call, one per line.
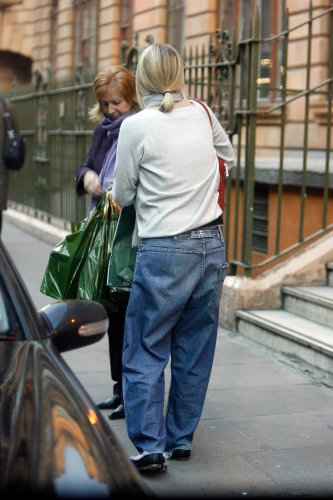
point(109, 208)
point(226, 171)
point(223, 167)
point(205, 108)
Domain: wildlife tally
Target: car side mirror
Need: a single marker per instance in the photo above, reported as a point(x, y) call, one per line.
point(72, 324)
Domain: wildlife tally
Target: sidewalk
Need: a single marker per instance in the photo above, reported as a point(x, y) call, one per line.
point(266, 428)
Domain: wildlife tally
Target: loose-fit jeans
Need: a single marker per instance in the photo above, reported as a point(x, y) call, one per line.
point(173, 311)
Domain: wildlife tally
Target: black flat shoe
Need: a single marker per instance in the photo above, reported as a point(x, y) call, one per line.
point(118, 413)
point(109, 404)
point(180, 454)
point(153, 462)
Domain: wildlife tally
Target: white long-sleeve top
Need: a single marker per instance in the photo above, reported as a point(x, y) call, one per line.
point(166, 165)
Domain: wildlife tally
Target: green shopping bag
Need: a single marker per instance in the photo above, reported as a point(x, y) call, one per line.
point(67, 259)
point(92, 280)
point(123, 253)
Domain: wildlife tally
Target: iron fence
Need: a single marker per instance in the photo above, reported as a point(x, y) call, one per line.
point(230, 76)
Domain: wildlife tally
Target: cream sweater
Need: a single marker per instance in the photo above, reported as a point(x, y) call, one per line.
point(166, 165)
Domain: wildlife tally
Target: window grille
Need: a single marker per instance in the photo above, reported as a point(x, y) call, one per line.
point(260, 218)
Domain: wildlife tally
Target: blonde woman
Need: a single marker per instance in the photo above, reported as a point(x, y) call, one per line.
point(114, 89)
point(167, 166)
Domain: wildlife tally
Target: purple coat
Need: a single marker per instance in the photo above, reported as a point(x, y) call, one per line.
point(104, 141)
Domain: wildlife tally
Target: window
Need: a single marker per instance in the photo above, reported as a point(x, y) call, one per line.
point(228, 12)
point(4, 323)
point(54, 21)
point(126, 22)
point(10, 327)
point(236, 15)
point(176, 16)
point(85, 33)
point(271, 67)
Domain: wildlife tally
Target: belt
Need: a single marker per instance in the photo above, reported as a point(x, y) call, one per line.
point(216, 222)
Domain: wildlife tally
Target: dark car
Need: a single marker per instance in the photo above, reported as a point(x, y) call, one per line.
point(53, 440)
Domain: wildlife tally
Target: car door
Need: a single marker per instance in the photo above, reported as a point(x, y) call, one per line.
point(53, 440)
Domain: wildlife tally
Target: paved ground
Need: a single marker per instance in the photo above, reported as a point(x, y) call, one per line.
point(266, 428)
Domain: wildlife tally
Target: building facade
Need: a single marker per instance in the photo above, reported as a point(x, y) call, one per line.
point(272, 65)
point(59, 35)
point(63, 33)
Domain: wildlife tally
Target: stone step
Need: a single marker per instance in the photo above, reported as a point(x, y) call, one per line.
point(290, 334)
point(311, 302)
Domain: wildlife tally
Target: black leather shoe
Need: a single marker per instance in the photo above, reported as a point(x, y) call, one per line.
point(109, 404)
point(153, 462)
point(180, 454)
point(119, 412)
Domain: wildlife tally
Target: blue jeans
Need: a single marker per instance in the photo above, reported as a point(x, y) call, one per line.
point(173, 311)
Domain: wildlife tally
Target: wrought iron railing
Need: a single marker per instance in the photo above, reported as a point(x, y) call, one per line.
point(54, 121)
point(53, 118)
point(227, 77)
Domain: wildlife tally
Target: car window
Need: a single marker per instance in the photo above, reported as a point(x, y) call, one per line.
point(4, 323)
point(10, 328)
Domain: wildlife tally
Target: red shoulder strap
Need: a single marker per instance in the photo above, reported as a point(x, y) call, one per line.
point(222, 167)
point(205, 108)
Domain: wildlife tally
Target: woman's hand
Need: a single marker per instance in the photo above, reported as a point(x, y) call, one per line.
point(92, 184)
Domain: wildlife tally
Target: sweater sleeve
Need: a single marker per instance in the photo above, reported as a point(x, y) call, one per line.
point(127, 165)
point(222, 142)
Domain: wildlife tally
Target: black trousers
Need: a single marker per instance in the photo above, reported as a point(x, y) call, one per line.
point(116, 338)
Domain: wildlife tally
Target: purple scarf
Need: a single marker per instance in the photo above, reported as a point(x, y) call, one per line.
point(112, 127)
